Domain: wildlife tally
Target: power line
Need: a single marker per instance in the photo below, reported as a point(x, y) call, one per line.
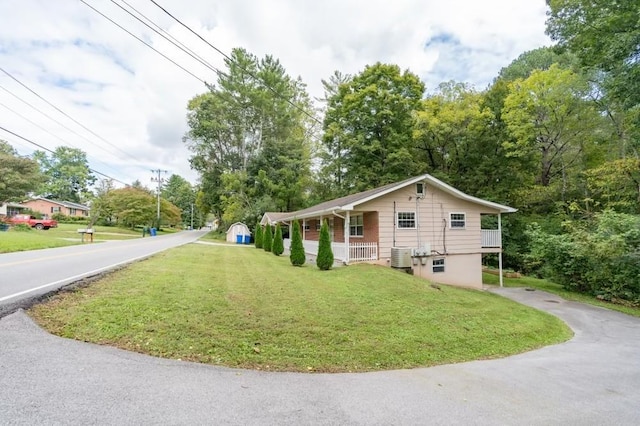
point(305, 112)
point(162, 33)
point(65, 114)
point(49, 150)
point(54, 135)
point(142, 41)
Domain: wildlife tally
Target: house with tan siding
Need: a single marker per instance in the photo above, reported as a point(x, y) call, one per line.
point(50, 207)
point(421, 225)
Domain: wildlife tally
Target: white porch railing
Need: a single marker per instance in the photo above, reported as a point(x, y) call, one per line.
point(491, 238)
point(358, 252)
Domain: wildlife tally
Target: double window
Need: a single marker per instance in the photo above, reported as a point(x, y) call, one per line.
point(406, 220)
point(457, 220)
point(356, 226)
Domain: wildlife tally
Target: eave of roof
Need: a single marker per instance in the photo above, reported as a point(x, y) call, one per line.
point(351, 201)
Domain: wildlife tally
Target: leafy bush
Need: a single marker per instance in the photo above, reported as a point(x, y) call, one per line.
point(22, 227)
point(324, 261)
point(601, 258)
point(267, 238)
point(277, 247)
point(258, 236)
point(297, 255)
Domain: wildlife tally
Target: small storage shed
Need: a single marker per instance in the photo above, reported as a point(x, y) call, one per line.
point(238, 233)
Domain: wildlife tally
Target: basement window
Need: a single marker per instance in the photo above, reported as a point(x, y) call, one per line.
point(438, 265)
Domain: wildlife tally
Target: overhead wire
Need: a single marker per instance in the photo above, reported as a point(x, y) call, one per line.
point(142, 41)
point(65, 114)
point(54, 135)
point(164, 34)
point(50, 151)
point(305, 112)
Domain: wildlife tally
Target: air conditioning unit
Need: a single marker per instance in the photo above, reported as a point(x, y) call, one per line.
point(400, 257)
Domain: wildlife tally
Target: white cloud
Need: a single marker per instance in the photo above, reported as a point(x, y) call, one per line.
point(137, 100)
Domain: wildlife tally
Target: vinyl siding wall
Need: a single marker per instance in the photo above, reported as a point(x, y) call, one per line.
point(432, 216)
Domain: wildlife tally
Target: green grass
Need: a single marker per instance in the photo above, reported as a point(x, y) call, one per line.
point(217, 236)
point(64, 235)
point(13, 240)
point(554, 288)
point(242, 307)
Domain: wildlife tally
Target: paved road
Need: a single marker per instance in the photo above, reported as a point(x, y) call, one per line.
point(27, 275)
point(594, 379)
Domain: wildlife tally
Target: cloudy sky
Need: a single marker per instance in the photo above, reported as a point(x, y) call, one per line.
point(125, 105)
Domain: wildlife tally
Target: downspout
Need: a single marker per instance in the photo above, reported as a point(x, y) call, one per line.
point(500, 253)
point(394, 224)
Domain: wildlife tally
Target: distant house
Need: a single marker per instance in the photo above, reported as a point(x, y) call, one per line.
point(238, 233)
point(11, 209)
point(50, 207)
point(420, 224)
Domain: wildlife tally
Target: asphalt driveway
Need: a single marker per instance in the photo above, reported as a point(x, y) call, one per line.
point(594, 379)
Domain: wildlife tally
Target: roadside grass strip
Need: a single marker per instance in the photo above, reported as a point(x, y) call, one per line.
point(251, 309)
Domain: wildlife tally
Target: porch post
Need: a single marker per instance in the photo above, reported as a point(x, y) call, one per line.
point(346, 237)
point(500, 253)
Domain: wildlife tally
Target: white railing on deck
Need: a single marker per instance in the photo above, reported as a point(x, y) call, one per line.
point(359, 252)
point(338, 251)
point(491, 238)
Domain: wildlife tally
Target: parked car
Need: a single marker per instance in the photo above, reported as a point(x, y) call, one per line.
point(26, 219)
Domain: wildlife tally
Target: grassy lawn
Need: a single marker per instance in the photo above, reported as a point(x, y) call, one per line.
point(13, 240)
point(243, 307)
point(560, 291)
point(64, 235)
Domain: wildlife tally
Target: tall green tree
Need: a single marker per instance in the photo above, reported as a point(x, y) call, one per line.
point(178, 191)
point(324, 261)
point(368, 128)
point(267, 238)
point(278, 245)
point(605, 37)
point(257, 239)
point(297, 256)
point(19, 176)
point(551, 122)
point(251, 139)
point(68, 176)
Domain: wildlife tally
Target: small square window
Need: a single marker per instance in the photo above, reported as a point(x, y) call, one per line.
point(406, 220)
point(457, 220)
point(438, 265)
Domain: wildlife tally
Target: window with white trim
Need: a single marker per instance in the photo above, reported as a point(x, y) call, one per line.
point(457, 220)
point(72, 212)
point(437, 265)
point(318, 225)
point(306, 225)
point(356, 226)
point(406, 220)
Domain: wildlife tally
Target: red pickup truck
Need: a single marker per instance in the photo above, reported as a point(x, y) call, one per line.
point(31, 221)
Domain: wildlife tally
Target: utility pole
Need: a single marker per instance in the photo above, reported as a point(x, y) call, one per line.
point(192, 216)
point(159, 179)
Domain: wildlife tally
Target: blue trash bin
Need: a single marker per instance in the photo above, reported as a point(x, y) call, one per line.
point(152, 232)
point(238, 239)
point(247, 239)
